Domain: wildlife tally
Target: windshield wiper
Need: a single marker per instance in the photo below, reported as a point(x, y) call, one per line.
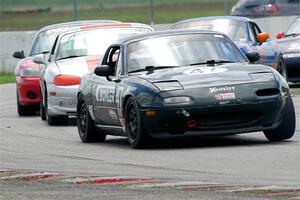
point(211, 62)
point(151, 68)
point(73, 56)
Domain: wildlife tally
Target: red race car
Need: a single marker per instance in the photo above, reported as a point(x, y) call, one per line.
point(27, 72)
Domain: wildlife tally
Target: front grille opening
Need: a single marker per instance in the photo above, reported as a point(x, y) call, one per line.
point(227, 119)
point(267, 92)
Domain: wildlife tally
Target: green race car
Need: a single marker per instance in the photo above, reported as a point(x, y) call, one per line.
point(178, 83)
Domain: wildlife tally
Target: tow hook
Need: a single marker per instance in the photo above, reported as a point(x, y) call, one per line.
point(185, 113)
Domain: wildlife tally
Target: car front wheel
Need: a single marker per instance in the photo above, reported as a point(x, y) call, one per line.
point(24, 110)
point(286, 129)
point(282, 69)
point(135, 130)
point(42, 108)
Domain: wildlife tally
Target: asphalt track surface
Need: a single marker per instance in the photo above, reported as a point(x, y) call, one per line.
point(56, 165)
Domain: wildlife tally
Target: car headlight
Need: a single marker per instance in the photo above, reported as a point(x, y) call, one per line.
point(284, 86)
point(29, 72)
point(168, 85)
point(267, 76)
point(177, 100)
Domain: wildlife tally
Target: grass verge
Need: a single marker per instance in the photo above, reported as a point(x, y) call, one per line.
point(7, 78)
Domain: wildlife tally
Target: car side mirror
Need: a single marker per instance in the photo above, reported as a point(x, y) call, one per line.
point(262, 37)
point(280, 35)
point(40, 59)
point(104, 70)
point(19, 54)
point(253, 56)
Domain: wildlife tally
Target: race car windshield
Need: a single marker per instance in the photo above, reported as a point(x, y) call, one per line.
point(93, 42)
point(182, 50)
point(235, 30)
point(294, 28)
point(45, 40)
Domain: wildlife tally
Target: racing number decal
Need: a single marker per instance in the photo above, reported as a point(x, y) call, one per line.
point(107, 94)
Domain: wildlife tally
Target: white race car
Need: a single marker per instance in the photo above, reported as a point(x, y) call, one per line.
point(74, 54)
point(27, 72)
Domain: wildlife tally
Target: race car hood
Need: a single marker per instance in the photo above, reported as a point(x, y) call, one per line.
point(206, 76)
point(78, 66)
point(289, 44)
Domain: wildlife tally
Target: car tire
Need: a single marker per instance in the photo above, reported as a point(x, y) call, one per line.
point(282, 69)
point(87, 130)
point(54, 120)
point(24, 110)
point(135, 130)
point(57, 120)
point(286, 129)
point(42, 109)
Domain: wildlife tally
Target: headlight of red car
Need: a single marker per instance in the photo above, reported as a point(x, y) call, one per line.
point(29, 72)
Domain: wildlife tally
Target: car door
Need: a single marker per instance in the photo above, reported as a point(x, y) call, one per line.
point(104, 92)
point(267, 50)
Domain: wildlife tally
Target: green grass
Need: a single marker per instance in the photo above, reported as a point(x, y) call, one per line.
point(167, 13)
point(7, 78)
point(14, 197)
point(8, 197)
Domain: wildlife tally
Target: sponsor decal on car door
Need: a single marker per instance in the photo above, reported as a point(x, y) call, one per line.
point(105, 101)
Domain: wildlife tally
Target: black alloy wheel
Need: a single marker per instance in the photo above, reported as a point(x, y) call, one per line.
point(135, 130)
point(81, 119)
point(87, 130)
point(132, 122)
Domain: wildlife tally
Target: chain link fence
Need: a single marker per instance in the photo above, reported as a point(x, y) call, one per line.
point(20, 15)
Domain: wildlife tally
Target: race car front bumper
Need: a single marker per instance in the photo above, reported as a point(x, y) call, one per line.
point(62, 100)
point(213, 120)
point(28, 89)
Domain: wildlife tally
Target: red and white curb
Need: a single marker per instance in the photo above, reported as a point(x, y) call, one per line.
point(30, 176)
point(146, 183)
point(108, 180)
point(179, 184)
